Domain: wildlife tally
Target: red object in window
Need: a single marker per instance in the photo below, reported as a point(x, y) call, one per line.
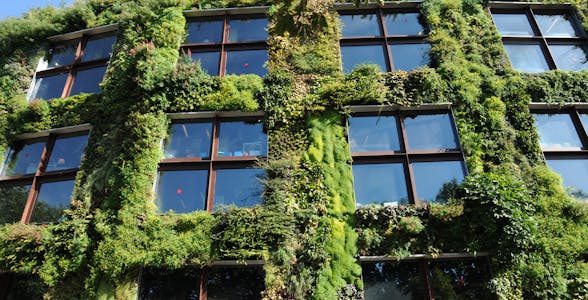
point(462, 281)
point(246, 65)
point(179, 191)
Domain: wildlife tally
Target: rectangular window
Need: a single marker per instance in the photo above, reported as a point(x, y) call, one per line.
point(209, 164)
point(404, 157)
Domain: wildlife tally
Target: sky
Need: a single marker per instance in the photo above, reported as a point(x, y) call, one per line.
point(16, 8)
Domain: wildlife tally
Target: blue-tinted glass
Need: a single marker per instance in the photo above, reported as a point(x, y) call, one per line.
point(379, 184)
point(353, 56)
point(574, 173)
point(99, 48)
point(209, 61)
point(205, 32)
point(408, 57)
point(12, 203)
point(242, 138)
point(430, 132)
point(161, 284)
point(360, 25)
point(570, 57)
point(54, 197)
point(526, 58)
point(181, 191)
point(188, 140)
point(435, 181)
point(239, 187)
point(584, 118)
point(62, 55)
point(23, 159)
point(404, 24)
point(513, 24)
point(373, 134)
point(246, 30)
point(393, 280)
point(246, 62)
point(88, 81)
point(67, 153)
point(235, 283)
point(556, 25)
point(461, 279)
point(49, 87)
point(557, 131)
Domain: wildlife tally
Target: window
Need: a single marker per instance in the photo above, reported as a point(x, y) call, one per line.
point(21, 286)
point(393, 39)
point(208, 164)
point(228, 44)
point(564, 140)
point(37, 177)
point(538, 38)
point(405, 156)
point(212, 283)
point(75, 64)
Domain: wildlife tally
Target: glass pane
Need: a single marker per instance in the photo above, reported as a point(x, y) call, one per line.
point(99, 48)
point(205, 32)
point(556, 25)
point(404, 24)
point(246, 62)
point(13, 202)
point(570, 57)
point(62, 55)
point(181, 191)
point(430, 132)
point(23, 159)
point(557, 131)
point(379, 184)
point(67, 153)
point(54, 197)
point(245, 283)
point(188, 140)
point(460, 279)
point(513, 24)
point(209, 61)
point(246, 30)
point(360, 25)
point(393, 280)
point(373, 134)
point(408, 57)
point(574, 173)
point(584, 118)
point(49, 87)
point(436, 181)
point(242, 139)
point(88, 81)
point(353, 56)
point(526, 58)
point(161, 284)
point(25, 287)
point(239, 187)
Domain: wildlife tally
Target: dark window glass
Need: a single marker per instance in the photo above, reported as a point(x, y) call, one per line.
point(574, 173)
point(435, 181)
point(360, 25)
point(98, 48)
point(12, 203)
point(49, 87)
point(430, 132)
point(158, 284)
point(88, 81)
point(460, 279)
point(23, 159)
point(242, 139)
point(209, 61)
point(556, 25)
point(570, 57)
point(380, 184)
point(408, 57)
point(393, 280)
point(513, 24)
point(246, 30)
point(189, 140)
point(62, 55)
point(67, 153)
point(404, 24)
point(239, 187)
point(181, 191)
point(557, 131)
point(246, 62)
point(205, 32)
point(353, 56)
point(24, 286)
point(234, 283)
point(526, 58)
point(373, 134)
point(54, 197)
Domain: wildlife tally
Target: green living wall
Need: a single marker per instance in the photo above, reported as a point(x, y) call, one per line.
point(308, 230)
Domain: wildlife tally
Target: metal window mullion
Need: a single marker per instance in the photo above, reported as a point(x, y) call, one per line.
point(544, 45)
point(223, 54)
point(456, 133)
point(407, 166)
point(202, 279)
point(211, 169)
point(389, 58)
point(423, 265)
point(579, 128)
point(35, 185)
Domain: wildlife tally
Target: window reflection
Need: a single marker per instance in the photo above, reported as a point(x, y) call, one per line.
point(378, 133)
point(408, 57)
point(526, 58)
point(88, 81)
point(239, 187)
point(557, 131)
point(379, 184)
point(67, 153)
point(98, 48)
point(12, 204)
point(247, 62)
point(189, 140)
point(460, 279)
point(235, 283)
point(242, 139)
point(247, 30)
point(513, 24)
point(556, 25)
point(181, 191)
point(205, 32)
point(53, 199)
point(570, 57)
point(353, 56)
point(49, 87)
point(360, 25)
point(430, 132)
point(209, 61)
point(393, 280)
point(160, 284)
point(25, 286)
point(574, 173)
point(62, 55)
point(23, 159)
point(404, 24)
point(436, 181)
